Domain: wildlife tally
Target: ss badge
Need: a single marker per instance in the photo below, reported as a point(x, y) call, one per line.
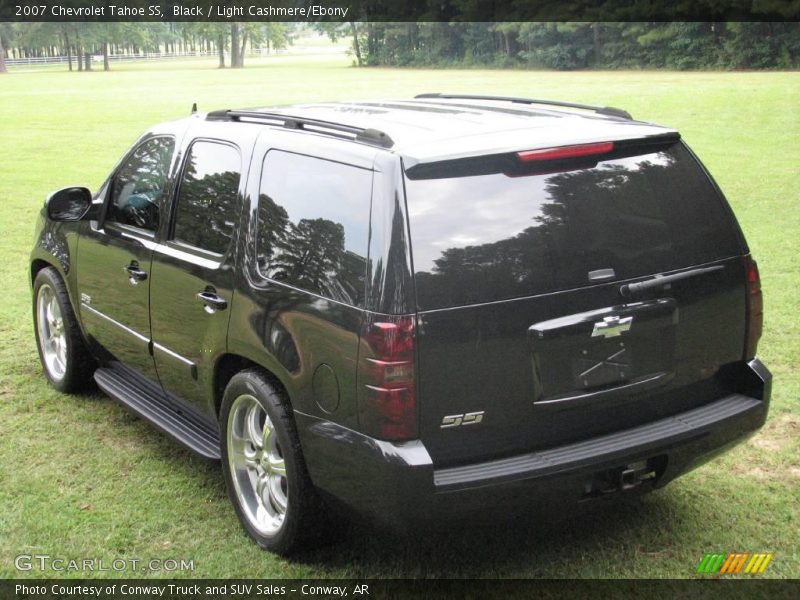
point(470, 418)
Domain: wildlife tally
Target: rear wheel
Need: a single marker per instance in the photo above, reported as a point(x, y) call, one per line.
point(264, 468)
point(67, 363)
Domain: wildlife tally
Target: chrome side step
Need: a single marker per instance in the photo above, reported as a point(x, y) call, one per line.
point(197, 436)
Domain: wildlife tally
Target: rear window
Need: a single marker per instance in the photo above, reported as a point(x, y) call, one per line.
point(493, 236)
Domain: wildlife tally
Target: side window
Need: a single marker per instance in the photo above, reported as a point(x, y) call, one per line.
point(139, 185)
point(313, 225)
point(205, 215)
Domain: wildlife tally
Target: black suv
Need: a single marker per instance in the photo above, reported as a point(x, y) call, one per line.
point(413, 309)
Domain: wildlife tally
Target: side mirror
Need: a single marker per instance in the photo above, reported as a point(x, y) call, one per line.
point(69, 204)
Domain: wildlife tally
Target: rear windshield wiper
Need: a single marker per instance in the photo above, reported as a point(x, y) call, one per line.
point(631, 289)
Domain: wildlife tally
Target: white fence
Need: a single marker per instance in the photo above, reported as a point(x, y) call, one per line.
point(54, 60)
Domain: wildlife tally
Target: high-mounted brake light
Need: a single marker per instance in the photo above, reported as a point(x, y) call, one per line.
point(565, 152)
point(387, 398)
point(755, 308)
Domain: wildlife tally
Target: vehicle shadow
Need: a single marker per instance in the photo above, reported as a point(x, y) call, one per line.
point(542, 545)
point(560, 541)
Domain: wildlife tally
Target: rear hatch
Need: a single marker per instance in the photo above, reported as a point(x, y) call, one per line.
point(568, 294)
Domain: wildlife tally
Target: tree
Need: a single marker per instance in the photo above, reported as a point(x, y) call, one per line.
point(573, 45)
point(356, 44)
point(4, 31)
point(275, 35)
point(66, 29)
point(334, 31)
point(106, 33)
point(235, 62)
point(207, 205)
point(509, 33)
point(557, 45)
point(218, 32)
point(273, 231)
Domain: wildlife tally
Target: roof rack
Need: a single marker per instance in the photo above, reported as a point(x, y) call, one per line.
point(603, 110)
point(369, 136)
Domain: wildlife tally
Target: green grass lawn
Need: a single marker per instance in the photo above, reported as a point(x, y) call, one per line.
point(80, 477)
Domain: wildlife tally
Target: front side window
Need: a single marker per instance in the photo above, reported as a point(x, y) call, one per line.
point(139, 185)
point(205, 216)
point(313, 225)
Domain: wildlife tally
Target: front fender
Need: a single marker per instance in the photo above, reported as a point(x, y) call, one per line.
point(56, 245)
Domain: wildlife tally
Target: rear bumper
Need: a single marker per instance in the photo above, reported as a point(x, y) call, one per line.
point(398, 483)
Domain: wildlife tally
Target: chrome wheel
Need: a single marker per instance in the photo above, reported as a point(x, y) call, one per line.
point(256, 464)
point(52, 336)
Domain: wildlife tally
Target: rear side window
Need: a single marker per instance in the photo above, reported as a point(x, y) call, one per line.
point(313, 225)
point(493, 237)
point(205, 216)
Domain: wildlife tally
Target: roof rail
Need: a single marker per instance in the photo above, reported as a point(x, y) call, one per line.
point(603, 110)
point(369, 136)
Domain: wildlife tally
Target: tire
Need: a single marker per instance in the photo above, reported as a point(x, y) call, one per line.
point(263, 465)
point(65, 359)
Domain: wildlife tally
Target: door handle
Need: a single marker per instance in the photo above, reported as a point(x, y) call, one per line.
point(211, 302)
point(135, 274)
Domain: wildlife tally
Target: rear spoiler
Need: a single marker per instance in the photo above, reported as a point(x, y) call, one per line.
point(542, 160)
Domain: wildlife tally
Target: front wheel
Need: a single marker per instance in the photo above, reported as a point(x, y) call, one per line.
point(264, 468)
point(66, 361)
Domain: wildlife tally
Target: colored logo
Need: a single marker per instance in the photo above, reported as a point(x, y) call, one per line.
point(735, 563)
point(612, 326)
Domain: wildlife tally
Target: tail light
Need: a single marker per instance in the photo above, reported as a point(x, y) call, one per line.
point(755, 308)
point(562, 152)
point(387, 398)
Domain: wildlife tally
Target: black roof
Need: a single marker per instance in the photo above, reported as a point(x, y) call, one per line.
point(433, 128)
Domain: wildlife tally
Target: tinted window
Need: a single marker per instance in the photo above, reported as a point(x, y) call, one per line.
point(138, 188)
point(313, 225)
point(492, 237)
point(206, 213)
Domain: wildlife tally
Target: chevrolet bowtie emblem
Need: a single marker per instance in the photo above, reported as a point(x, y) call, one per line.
point(612, 326)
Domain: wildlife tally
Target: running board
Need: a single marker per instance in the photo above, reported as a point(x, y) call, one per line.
point(198, 437)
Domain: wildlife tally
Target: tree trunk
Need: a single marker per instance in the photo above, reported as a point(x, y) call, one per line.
point(68, 48)
point(371, 42)
point(241, 52)
point(234, 45)
point(2, 57)
point(78, 52)
point(597, 42)
point(356, 45)
point(106, 66)
point(221, 50)
point(87, 64)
